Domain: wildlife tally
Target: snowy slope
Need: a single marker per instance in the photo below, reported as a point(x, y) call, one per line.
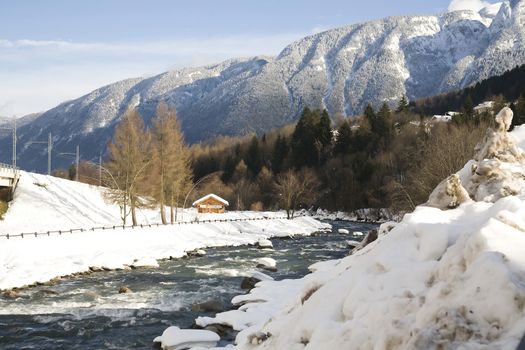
point(439, 279)
point(341, 69)
point(44, 203)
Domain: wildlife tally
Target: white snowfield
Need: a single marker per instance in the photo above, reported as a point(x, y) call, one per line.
point(44, 203)
point(439, 279)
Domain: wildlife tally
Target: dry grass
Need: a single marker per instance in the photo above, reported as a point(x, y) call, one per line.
point(3, 209)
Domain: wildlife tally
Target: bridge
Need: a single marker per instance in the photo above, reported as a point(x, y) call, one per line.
point(9, 176)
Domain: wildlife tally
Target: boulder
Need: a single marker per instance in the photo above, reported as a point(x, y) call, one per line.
point(343, 231)
point(249, 283)
point(48, 292)
point(213, 305)
point(11, 294)
point(264, 243)
point(267, 264)
point(124, 290)
point(369, 238)
point(225, 332)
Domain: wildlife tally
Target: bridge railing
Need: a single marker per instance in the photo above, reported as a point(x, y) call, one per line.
point(7, 170)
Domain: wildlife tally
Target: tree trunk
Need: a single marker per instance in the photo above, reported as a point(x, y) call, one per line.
point(162, 213)
point(133, 215)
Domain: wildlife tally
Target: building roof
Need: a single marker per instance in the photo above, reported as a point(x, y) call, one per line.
point(211, 195)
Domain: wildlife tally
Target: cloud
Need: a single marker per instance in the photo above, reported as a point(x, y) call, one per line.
point(473, 5)
point(36, 75)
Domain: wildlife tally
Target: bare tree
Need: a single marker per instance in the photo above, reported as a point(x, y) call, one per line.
point(447, 150)
point(293, 189)
point(129, 155)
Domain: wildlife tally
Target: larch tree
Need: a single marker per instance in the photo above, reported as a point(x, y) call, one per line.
point(170, 170)
point(129, 156)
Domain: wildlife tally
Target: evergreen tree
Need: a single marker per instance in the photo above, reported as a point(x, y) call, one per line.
point(385, 125)
point(280, 151)
point(468, 108)
point(229, 168)
point(370, 115)
point(304, 150)
point(519, 111)
point(403, 104)
point(344, 139)
point(253, 158)
point(324, 129)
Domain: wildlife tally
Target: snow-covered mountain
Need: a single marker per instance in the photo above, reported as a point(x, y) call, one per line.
point(341, 70)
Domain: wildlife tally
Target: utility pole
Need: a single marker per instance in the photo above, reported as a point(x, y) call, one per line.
point(13, 130)
point(14, 143)
point(100, 170)
point(49, 149)
point(77, 160)
point(78, 163)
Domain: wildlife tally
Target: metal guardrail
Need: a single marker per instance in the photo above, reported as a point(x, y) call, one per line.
point(140, 226)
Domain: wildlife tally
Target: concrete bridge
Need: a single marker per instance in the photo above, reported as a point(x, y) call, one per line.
point(8, 177)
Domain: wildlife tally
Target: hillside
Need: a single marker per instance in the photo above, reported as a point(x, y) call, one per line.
point(510, 85)
point(341, 70)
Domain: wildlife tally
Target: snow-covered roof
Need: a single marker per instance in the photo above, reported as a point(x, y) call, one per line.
point(211, 195)
point(441, 118)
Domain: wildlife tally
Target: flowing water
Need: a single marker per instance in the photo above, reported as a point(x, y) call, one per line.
point(87, 312)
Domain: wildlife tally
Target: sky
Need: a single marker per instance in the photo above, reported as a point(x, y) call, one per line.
point(56, 50)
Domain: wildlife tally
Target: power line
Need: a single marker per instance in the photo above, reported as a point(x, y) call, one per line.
point(49, 150)
point(77, 160)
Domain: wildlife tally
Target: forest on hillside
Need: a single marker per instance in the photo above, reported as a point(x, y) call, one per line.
point(385, 158)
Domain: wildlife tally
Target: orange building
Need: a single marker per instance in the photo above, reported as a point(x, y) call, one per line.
point(211, 203)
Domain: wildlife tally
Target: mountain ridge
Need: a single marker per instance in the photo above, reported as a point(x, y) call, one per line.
point(341, 69)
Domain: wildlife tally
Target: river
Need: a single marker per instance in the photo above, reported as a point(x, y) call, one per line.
point(87, 312)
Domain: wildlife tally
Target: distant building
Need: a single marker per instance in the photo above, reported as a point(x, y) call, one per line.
point(211, 203)
point(483, 107)
point(441, 118)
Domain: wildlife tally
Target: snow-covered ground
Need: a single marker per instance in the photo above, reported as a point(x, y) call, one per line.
point(44, 203)
point(439, 279)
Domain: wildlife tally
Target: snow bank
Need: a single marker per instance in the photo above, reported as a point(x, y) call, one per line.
point(439, 279)
point(43, 202)
point(365, 214)
point(174, 338)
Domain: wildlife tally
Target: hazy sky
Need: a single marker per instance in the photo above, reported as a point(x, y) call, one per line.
point(55, 50)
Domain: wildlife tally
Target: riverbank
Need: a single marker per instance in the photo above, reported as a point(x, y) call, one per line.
point(45, 203)
point(30, 260)
point(87, 312)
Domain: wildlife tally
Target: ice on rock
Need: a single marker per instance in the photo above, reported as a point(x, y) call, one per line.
point(264, 243)
point(267, 262)
point(174, 338)
point(145, 262)
point(343, 231)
